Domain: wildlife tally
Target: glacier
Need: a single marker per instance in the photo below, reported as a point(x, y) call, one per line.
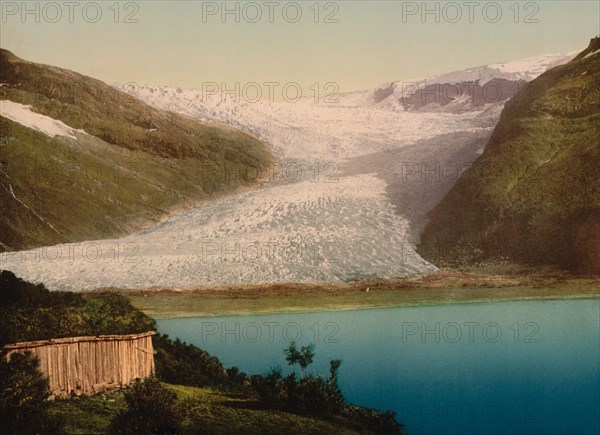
point(364, 173)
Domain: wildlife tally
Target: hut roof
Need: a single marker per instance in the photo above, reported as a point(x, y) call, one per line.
point(30, 344)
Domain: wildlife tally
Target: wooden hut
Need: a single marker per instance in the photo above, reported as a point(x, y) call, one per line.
point(88, 365)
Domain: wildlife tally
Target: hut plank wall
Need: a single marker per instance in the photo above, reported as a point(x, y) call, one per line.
point(88, 365)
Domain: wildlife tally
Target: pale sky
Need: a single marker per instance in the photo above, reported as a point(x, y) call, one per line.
point(186, 43)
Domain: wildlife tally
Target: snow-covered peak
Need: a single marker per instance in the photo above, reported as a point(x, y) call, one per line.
point(387, 96)
point(524, 69)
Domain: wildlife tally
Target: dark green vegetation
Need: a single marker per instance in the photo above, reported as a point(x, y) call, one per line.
point(314, 395)
point(185, 364)
point(30, 312)
point(135, 164)
point(533, 196)
point(23, 393)
point(208, 399)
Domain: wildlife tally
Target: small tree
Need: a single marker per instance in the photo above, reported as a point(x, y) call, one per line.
point(292, 356)
point(334, 366)
point(303, 358)
point(151, 409)
point(307, 353)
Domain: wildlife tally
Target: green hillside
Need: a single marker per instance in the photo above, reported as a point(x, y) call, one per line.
point(533, 196)
point(134, 165)
point(208, 411)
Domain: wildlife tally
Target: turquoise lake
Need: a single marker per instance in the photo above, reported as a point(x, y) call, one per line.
point(524, 367)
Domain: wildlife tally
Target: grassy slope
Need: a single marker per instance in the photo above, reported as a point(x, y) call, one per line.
point(209, 411)
point(533, 194)
point(138, 163)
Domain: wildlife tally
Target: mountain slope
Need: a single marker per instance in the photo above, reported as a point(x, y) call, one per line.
point(533, 195)
point(117, 163)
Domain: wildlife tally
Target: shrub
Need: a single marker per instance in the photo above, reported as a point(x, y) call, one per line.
point(235, 375)
point(316, 396)
point(151, 409)
point(271, 388)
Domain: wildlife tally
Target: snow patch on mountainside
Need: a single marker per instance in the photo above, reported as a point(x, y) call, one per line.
point(593, 53)
point(25, 116)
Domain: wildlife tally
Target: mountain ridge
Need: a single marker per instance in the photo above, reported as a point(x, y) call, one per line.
point(531, 197)
point(123, 165)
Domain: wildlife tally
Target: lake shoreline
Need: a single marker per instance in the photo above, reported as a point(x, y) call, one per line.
point(437, 289)
point(292, 310)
